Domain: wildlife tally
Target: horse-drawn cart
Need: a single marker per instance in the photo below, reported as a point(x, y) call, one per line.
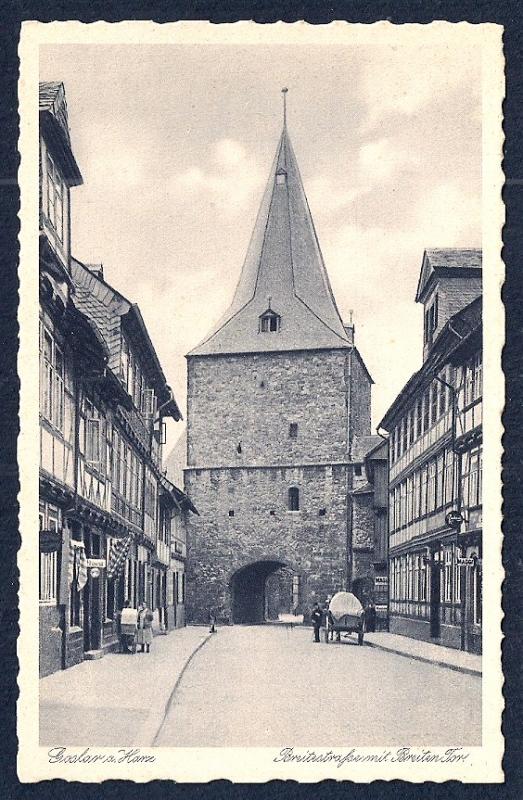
point(345, 615)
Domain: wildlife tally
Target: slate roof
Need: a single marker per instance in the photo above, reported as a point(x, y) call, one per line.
point(54, 124)
point(449, 258)
point(465, 324)
point(284, 271)
point(176, 461)
point(362, 445)
point(105, 307)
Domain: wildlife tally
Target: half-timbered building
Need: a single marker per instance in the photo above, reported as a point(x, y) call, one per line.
point(435, 468)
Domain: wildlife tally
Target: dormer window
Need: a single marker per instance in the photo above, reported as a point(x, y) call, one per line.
point(281, 177)
point(270, 322)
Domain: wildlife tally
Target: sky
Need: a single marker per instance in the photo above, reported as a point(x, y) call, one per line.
point(175, 144)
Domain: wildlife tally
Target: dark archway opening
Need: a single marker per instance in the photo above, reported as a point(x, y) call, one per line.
point(260, 592)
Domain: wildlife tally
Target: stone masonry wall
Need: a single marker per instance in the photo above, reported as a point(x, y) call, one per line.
point(251, 400)
point(312, 545)
point(360, 399)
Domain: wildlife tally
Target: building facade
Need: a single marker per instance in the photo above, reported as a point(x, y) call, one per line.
point(106, 509)
point(435, 463)
point(278, 400)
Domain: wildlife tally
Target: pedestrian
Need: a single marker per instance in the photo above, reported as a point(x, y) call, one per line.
point(316, 617)
point(127, 621)
point(329, 624)
point(370, 617)
point(144, 634)
point(212, 621)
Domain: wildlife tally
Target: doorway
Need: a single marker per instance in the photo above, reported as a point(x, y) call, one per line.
point(435, 599)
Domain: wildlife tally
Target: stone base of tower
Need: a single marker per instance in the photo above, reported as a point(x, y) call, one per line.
point(250, 557)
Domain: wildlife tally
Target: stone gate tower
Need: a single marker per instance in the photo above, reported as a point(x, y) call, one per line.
point(277, 394)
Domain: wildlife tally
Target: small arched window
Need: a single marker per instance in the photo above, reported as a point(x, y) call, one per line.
point(281, 177)
point(294, 499)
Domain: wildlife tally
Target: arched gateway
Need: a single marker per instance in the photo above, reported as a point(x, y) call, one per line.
point(277, 396)
point(263, 590)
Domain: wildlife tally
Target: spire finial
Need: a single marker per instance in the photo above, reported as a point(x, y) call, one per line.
point(284, 93)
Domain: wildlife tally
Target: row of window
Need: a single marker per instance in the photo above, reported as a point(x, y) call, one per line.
point(428, 409)
point(56, 193)
point(127, 472)
point(133, 378)
point(425, 490)
point(471, 383)
point(410, 576)
point(52, 377)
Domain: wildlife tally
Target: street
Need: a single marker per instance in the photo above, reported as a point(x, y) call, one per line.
point(260, 686)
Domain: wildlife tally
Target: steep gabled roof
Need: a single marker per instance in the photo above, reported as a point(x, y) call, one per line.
point(106, 308)
point(445, 259)
point(54, 124)
point(284, 271)
point(459, 329)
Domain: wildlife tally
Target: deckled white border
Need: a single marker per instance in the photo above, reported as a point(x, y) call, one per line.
point(256, 765)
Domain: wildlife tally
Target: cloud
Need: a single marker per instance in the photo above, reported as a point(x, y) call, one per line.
point(403, 81)
point(380, 160)
point(230, 179)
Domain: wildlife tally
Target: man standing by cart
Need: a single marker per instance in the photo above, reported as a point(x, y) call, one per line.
point(316, 617)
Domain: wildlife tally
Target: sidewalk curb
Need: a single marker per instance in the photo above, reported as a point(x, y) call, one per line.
point(149, 731)
point(424, 659)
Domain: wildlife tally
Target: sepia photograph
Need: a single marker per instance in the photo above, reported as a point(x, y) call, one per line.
point(258, 409)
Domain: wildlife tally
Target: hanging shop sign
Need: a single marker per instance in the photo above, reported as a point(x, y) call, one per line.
point(95, 572)
point(466, 562)
point(96, 562)
point(454, 519)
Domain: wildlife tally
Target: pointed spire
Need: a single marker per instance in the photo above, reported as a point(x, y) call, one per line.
point(283, 263)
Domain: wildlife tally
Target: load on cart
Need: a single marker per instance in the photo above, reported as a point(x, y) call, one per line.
point(128, 629)
point(345, 615)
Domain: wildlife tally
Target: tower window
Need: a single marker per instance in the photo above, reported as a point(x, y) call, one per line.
point(269, 322)
point(281, 177)
point(322, 512)
point(231, 512)
point(294, 499)
point(293, 430)
point(239, 448)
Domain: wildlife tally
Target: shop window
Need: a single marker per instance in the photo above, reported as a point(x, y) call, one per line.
point(447, 575)
point(75, 608)
point(48, 577)
point(294, 499)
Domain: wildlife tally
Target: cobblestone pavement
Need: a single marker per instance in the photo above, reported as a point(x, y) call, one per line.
point(271, 686)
